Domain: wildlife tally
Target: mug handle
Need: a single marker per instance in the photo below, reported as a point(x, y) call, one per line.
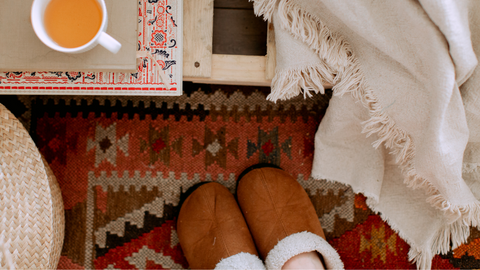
point(109, 42)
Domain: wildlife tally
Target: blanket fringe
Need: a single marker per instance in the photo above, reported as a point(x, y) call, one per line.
point(454, 234)
point(343, 69)
point(310, 79)
point(421, 256)
point(264, 8)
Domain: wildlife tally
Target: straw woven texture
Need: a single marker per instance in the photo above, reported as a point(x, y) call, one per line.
point(31, 206)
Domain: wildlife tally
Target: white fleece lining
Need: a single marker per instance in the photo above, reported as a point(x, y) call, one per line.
point(300, 243)
point(241, 261)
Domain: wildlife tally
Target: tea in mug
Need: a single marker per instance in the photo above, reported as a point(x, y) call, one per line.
point(72, 23)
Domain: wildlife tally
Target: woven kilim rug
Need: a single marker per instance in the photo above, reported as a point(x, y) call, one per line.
point(122, 163)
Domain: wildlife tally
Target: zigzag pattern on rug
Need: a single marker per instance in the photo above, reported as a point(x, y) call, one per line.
point(123, 162)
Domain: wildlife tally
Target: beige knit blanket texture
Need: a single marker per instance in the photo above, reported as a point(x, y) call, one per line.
point(403, 125)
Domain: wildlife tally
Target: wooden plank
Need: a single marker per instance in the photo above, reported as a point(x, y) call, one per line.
point(271, 59)
point(238, 70)
point(197, 38)
point(238, 31)
point(236, 4)
point(235, 70)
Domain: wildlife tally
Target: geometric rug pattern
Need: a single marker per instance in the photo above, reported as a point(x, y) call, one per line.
point(123, 162)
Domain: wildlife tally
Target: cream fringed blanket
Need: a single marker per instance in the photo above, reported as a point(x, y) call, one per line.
point(404, 122)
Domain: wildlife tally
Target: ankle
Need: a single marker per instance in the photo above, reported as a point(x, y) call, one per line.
point(308, 260)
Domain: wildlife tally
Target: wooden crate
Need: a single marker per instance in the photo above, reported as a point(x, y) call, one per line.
point(202, 65)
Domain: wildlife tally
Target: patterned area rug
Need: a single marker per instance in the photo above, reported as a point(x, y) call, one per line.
point(122, 163)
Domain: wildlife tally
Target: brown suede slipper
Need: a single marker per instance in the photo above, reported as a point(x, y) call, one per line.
point(281, 217)
point(213, 232)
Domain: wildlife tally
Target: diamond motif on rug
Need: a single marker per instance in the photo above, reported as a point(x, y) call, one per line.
point(106, 144)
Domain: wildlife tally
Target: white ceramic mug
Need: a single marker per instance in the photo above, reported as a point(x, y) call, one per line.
point(102, 38)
